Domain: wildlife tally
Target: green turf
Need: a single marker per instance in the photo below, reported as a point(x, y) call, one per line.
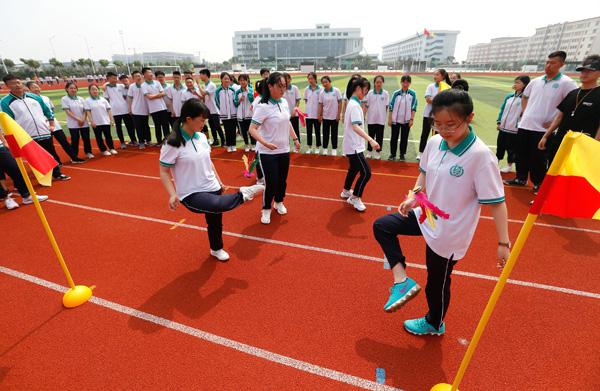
point(487, 92)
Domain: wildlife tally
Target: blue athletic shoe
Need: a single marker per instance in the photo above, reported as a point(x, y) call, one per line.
point(422, 327)
point(400, 294)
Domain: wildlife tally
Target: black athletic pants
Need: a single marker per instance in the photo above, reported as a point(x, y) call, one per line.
point(126, 118)
point(357, 164)
point(275, 169)
point(162, 127)
point(425, 131)
point(310, 124)
point(330, 126)
point(375, 132)
point(506, 143)
point(99, 132)
point(531, 161)
point(142, 128)
point(230, 126)
point(215, 129)
point(48, 145)
point(59, 135)
point(85, 135)
point(401, 130)
point(295, 121)
point(244, 127)
point(8, 165)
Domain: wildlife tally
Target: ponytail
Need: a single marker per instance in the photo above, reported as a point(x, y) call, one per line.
point(271, 81)
point(192, 108)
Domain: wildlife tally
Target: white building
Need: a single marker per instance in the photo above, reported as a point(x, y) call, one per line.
point(296, 46)
point(579, 39)
point(436, 47)
point(157, 58)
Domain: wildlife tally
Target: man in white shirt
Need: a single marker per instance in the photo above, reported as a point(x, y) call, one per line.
point(154, 93)
point(175, 95)
point(208, 91)
point(540, 99)
point(116, 94)
point(138, 108)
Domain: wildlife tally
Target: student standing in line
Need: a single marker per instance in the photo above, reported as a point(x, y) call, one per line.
point(459, 173)
point(293, 97)
point(454, 76)
point(185, 157)
point(190, 92)
point(330, 107)
point(402, 114)
point(227, 110)
point(272, 130)
point(73, 106)
point(57, 133)
point(208, 91)
point(439, 76)
point(354, 143)
point(138, 108)
point(99, 115)
point(244, 97)
point(175, 93)
point(154, 93)
point(161, 79)
point(508, 123)
point(116, 94)
point(311, 99)
point(376, 104)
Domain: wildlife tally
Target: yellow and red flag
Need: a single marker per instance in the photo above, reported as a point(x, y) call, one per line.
point(571, 187)
point(443, 86)
point(22, 145)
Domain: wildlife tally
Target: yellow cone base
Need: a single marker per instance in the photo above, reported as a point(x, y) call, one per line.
point(442, 387)
point(76, 296)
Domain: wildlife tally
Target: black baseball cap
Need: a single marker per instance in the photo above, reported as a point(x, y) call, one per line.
point(592, 64)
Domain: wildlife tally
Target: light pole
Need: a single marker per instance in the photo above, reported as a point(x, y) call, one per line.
point(89, 53)
point(52, 46)
point(125, 52)
point(3, 64)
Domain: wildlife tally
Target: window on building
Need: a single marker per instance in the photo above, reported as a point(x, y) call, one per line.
point(345, 34)
point(285, 35)
point(305, 34)
point(279, 35)
point(312, 34)
point(319, 34)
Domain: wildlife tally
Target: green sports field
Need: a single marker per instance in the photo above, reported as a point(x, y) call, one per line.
point(488, 93)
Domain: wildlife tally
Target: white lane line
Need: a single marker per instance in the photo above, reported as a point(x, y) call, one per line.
point(326, 250)
point(387, 207)
point(212, 338)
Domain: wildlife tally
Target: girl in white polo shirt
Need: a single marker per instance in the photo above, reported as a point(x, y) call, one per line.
point(100, 117)
point(185, 156)
point(292, 95)
point(224, 97)
point(354, 143)
point(244, 98)
point(330, 107)
point(439, 76)
point(272, 130)
point(402, 113)
point(377, 102)
point(78, 127)
point(459, 173)
point(311, 100)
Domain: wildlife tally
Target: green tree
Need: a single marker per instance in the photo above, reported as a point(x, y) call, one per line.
point(31, 63)
point(55, 63)
point(137, 63)
point(9, 63)
point(103, 63)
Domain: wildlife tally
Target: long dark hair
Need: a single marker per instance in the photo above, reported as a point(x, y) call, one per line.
point(192, 108)
point(354, 83)
point(271, 81)
point(445, 75)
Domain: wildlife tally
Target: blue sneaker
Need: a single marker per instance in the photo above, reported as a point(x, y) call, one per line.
point(400, 294)
point(422, 327)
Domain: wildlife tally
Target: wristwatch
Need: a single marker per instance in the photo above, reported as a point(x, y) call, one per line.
point(503, 244)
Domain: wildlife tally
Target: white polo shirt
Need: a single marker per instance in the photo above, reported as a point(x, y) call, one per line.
point(153, 87)
point(175, 94)
point(273, 121)
point(354, 115)
point(190, 165)
point(166, 98)
point(311, 97)
point(402, 105)
point(377, 104)
point(543, 98)
point(138, 103)
point(50, 105)
point(331, 100)
point(292, 95)
point(187, 95)
point(98, 108)
point(432, 90)
point(209, 100)
point(75, 105)
point(458, 181)
point(117, 97)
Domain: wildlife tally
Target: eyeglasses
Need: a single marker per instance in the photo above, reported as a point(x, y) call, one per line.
point(446, 129)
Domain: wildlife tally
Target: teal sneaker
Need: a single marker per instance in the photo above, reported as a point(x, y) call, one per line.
point(422, 327)
point(400, 294)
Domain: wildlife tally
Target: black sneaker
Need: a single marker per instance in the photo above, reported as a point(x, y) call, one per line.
point(77, 161)
point(62, 177)
point(402, 158)
point(514, 182)
point(391, 158)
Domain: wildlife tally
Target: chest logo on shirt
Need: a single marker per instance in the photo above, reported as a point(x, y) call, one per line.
point(555, 85)
point(456, 170)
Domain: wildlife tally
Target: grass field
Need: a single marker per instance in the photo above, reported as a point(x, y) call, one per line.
point(488, 93)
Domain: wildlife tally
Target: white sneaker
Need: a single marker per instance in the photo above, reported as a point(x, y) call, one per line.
point(89, 155)
point(346, 193)
point(106, 153)
point(418, 156)
point(357, 203)
point(368, 155)
point(281, 209)
point(506, 169)
point(260, 181)
point(317, 151)
point(247, 148)
point(248, 192)
point(113, 152)
point(265, 217)
point(376, 155)
point(29, 200)
point(221, 255)
point(334, 152)
point(233, 149)
point(324, 152)
point(308, 151)
point(10, 203)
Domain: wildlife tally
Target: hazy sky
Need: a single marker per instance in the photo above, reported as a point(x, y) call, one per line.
point(29, 26)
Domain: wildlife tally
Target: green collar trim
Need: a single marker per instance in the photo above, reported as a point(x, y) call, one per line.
point(558, 76)
point(96, 98)
point(186, 137)
point(275, 101)
point(164, 85)
point(313, 89)
point(111, 85)
point(151, 82)
point(329, 90)
point(464, 145)
point(138, 85)
point(181, 86)
point(354, 98)
point(377, 93)
point(73, 97)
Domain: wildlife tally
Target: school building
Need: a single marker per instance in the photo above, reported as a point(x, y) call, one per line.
point(435, 46)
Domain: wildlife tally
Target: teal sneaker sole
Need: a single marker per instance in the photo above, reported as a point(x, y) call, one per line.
point(435, 333)
point(412, 293)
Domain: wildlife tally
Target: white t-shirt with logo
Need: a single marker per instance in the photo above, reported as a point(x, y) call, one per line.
point(153, 87)
point(75, 106)
point(292, 95)
point(175, 95)
point(458, 181)
point(209, 100)
point(311, 97)
point(117, 97)
point(138, 102)
point(377, 104)
point(190, 165)
point(331, 100)
point(543, 98)
point(354, 115)
point(273, 121)
point(99, 109)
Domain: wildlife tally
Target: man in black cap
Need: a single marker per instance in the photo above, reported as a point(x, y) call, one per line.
point(580, 109)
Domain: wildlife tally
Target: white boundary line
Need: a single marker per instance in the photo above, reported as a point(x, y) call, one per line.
point(212, 338)
point(327, 251)
point(393, 207)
